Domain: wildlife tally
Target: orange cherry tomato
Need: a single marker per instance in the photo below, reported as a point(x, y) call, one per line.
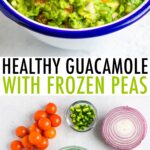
point(31, 148)
point(34, 128)
point(51, 133)
point(43, 144)
point(16, 145)
point(44, 124)
point(51, 108)
point(26, 143)
point(55, 120)
point(35, 138)
point(40, 114)
point(21, 131)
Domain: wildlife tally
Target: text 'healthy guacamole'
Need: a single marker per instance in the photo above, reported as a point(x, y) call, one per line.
point(75, 14)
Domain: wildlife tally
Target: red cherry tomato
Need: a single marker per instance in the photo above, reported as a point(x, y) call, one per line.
point(21, 131)
point(44, 124)
point(55, 120)
point(35, 138)
point(43, 143)
point(51, 108)
point(26, 143)
point(34, 128)
point(51, 133)
point(40, 114)
point(16, 145)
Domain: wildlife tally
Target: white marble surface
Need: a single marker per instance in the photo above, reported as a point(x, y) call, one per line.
point(15, 111)
point(132, 41)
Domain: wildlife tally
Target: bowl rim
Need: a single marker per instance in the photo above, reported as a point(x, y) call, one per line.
point(75, 33)
point(67, 147)
point(93, 124)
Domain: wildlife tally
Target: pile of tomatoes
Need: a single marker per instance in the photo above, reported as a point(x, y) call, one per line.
point(36, 136)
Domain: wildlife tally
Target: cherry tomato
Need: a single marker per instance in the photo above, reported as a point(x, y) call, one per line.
point(16, 145)
point(35, 138)
point(31, 148)
point(34, 128)
point(51, 108)
point(44, 124)
point(40, 114)
point(21, 131)
point(43, 144)
point(51, 133)
point(55, 120)
point(26, 143)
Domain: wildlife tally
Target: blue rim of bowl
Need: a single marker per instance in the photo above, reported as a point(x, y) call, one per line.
point(64, 33)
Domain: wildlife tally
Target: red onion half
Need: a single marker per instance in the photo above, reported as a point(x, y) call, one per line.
point(124, 128)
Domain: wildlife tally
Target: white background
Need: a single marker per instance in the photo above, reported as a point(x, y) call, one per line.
point(14, 111)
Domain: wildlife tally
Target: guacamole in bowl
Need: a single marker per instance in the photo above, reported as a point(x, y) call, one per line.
point(75, 14)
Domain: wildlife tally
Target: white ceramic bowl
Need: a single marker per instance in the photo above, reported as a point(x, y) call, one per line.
point(81, 39)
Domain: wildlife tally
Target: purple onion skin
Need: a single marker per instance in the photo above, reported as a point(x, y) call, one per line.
point(142, 122)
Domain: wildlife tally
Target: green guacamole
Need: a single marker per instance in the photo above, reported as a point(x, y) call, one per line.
point(75, 14)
